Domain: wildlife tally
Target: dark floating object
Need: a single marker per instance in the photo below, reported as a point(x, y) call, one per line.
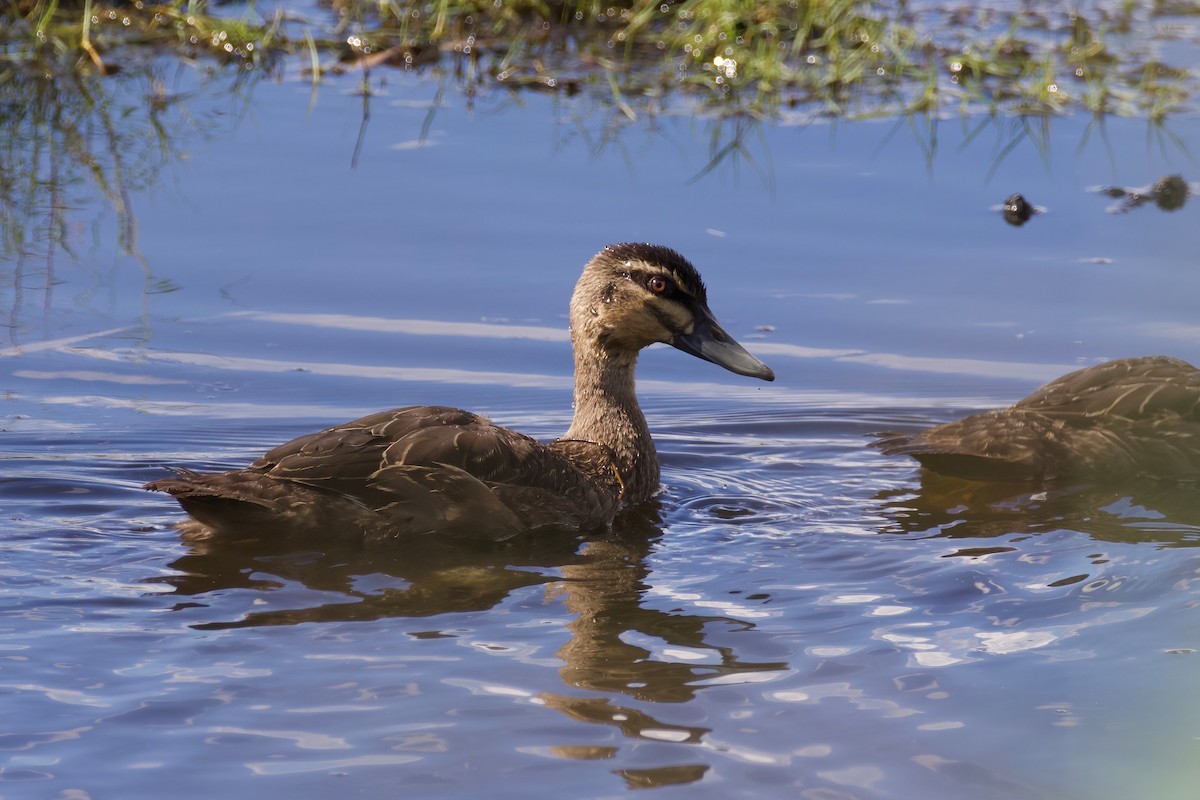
point(1017, 210)
point(429, 470)
point(1135, 417)
point(1170, 194)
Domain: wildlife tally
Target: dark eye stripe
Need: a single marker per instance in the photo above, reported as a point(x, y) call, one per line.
point(672, 291)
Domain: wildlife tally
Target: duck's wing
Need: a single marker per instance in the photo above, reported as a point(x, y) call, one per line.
point(347, 457)
point(1133, 389)
point(421, 470)
point(444, 470)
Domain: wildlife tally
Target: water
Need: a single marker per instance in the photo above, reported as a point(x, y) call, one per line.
point(801, 616)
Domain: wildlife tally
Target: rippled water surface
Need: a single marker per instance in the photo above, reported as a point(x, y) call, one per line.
point(800, 616)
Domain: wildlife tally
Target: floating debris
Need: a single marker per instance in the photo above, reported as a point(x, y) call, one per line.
point(1017, 210)
point(1169, 194)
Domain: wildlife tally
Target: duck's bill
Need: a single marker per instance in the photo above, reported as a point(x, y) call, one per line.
point(708, 340)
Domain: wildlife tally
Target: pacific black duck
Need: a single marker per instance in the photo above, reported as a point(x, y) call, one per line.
point(1134, 417)
point(430, 470)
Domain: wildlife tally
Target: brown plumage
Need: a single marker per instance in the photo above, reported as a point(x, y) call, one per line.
point(430, 470)
point(1135, 417)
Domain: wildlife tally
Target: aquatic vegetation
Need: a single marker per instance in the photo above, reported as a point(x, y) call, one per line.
point(82, 35)
point(830, 57)
point(93, 111)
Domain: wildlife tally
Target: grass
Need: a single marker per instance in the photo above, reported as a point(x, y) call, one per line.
point(78, 34)
point(845, 58)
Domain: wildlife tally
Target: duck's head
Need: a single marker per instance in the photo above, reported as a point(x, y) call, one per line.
point(633, 295)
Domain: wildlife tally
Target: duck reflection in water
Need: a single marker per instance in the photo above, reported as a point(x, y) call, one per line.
point(955, 508)
point(600, 581)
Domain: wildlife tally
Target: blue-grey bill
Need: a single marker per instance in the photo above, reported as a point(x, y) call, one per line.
point(708, 340)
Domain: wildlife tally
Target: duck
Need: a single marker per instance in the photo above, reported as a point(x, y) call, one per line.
point(436, 471)
point(1123, 419)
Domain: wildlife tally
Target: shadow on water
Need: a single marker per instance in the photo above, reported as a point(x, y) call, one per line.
point(953, 508)
point(411, 579)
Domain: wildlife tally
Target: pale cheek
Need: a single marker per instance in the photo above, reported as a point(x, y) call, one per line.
point(683, 322)
point(645, 332)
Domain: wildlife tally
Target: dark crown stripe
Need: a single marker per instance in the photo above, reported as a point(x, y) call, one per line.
point(656, 255)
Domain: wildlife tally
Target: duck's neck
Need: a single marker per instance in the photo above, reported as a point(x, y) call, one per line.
point(607, 412)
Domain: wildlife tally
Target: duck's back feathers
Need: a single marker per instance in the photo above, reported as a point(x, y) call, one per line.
point(409, 471)
point(1134, 389)
point(997, 445)
point(1126, 418)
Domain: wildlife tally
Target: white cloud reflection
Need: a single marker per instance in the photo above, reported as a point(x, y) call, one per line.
point(424, 327)
point(780, 392)
point(415, 327)
point(1173, 330)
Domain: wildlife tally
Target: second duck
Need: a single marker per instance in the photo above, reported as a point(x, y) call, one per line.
point(1130, 418)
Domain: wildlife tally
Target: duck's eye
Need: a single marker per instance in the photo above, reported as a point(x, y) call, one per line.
point(657, 284)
